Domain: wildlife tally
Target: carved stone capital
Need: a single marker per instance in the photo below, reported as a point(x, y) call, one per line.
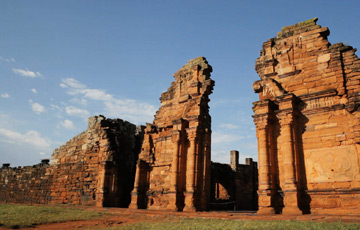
point(192, 134)
point(285, 118)
point(261, 121)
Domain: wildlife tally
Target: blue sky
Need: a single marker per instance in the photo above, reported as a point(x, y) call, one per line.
point(63, 61)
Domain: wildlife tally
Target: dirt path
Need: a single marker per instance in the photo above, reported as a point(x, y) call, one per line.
point(121, 216)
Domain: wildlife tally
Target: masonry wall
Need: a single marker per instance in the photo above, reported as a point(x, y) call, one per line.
point(307, 120)
point(96, 167)
point(30, 184)
point(173, 171)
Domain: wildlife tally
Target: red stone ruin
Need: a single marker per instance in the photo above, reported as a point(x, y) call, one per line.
point(307, 123)
point(307, 127)
point(173, 171)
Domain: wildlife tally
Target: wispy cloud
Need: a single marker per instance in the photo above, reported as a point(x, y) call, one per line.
point(31, 137)
point(67, 124)
point(5, 95)
point(36, 107)
point(72, 83)
point(131, 110)
point(229, 126)
point(34, 91)
point(7, 59)
point(74, 111)
point(221, 138)
point(27, 73)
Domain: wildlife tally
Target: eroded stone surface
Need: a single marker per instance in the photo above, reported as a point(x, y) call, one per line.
point(96, 167)
point(173, 171)
point(307, 122)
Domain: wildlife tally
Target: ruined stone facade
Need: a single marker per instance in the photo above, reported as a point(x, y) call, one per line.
point(173, 170)
point(234, 186)
point(307, 123)
point(96, 167)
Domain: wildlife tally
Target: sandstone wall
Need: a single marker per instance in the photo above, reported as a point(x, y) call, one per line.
point(30, 184)
point(307, 122)
point(97, 167)
point(173, 171)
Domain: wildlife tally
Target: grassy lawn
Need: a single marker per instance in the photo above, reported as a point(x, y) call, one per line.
point(17, 216)
point(200, 224)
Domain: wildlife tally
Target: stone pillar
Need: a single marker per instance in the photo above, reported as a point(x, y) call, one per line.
point(174, 172)
point(265, 192)
point(135, 191)
point(234, 159)
point(190, 175)
point(286, 120)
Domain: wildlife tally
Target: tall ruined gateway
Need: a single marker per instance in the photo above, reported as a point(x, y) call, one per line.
point(307, 123)
point(173, 170)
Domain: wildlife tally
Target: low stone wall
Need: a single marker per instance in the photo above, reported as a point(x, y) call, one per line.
point(96, 167)
point(30, 184)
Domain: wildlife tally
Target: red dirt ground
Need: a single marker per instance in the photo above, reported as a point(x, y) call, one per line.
point(121, 216)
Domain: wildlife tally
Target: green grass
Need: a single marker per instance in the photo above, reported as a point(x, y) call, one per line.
point(200, 224)
point(19, 216)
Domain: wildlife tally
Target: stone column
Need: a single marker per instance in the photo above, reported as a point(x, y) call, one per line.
point(286, 120)
point(190, 174)
point(234, 159)
point(174, 172)
point(135, 191)
point(265, 193)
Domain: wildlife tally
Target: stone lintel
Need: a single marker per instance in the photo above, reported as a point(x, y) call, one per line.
point(320, 94)
point(334, 191)
point(289, 74)
point(271, 74)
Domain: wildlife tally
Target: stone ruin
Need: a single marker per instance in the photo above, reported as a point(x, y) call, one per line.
point(96, 167)
point(307, 123)
point(234, 186)
point(173, 171)
point(169, 158)
point(307, 126)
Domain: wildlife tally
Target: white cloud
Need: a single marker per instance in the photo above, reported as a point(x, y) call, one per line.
point(131, 110)
point(31, 137)
point(37, 108)
point(72, 83)
point(7, 59)
point(5, 95)
point(97, 94)
point(62, 85)
point(221, 138)
point(229, 126)
point(55, 107)
point(74, 111)
point(34, 90)
point(27, 73)
point(67, 124)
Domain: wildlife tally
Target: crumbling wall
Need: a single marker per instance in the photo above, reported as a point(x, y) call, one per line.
point(30, 184)
point(96, 167)
point(234, 186)
point(173, 171)
point(307, 122)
